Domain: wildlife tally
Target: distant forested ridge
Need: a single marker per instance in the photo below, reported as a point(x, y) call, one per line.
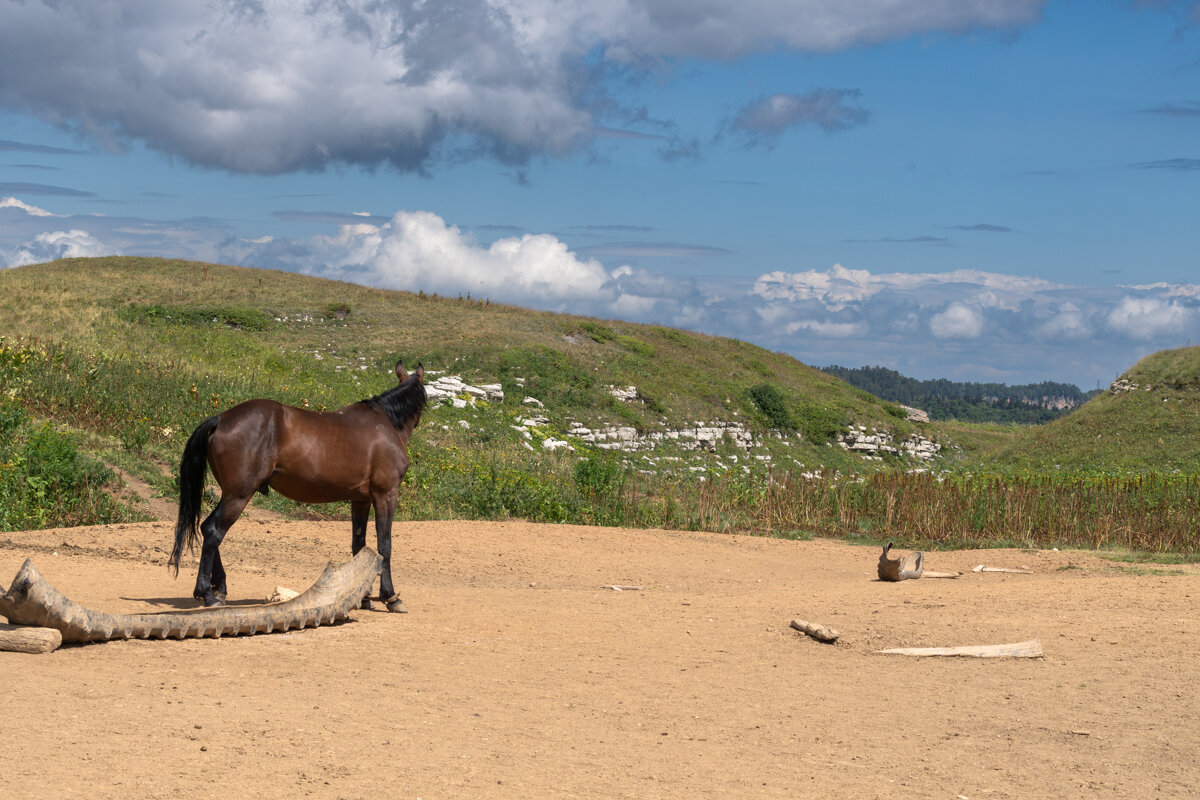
point(1030, 404)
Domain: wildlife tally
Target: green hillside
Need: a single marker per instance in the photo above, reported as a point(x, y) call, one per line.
point(305, 337)
point(1154, 426)
point(127, 355)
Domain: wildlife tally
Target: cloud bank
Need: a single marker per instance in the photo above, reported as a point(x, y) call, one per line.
point(273, 86)
point(963, 323)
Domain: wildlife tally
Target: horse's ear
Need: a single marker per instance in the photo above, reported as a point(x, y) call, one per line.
point(420, 373)
point(400, 373)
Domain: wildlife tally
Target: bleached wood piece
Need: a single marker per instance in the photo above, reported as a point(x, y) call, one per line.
point(1029, 649)
point(818, 632)
point(24, 639)
point(982, 568)
point(282, 594)
point(621, 588)
point(900, 569)
point(931, 574)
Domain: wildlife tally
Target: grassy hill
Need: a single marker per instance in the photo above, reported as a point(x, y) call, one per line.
point(1154, 427)
point(299, 337)
point(129, 354)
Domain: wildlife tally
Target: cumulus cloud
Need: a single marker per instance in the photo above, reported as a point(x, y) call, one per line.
point(274, 86)
point(33, 211)
point(957, 321)
point(1145, 318)
point(57, 244)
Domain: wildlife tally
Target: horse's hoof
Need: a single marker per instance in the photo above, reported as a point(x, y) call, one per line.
point(216, 602)
point(396, 606)
point(366, 604)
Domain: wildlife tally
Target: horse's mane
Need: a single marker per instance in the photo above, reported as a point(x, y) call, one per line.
point(401, 403)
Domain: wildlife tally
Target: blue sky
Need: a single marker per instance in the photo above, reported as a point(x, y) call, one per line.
point(996, 190)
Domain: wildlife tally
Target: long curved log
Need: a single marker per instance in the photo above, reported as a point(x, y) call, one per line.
point(31, 600)
point(900, 569)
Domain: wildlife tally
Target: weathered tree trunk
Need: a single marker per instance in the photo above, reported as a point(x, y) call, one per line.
point(31, 600)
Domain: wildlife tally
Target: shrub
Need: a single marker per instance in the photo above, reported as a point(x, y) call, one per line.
point(770, 401)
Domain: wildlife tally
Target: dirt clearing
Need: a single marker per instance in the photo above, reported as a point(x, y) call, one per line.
point(517, 675)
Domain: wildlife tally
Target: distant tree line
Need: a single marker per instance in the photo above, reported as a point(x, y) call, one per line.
point(1029, 404)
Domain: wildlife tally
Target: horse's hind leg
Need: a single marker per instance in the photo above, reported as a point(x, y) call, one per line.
point(359, 512)
point(211, 574)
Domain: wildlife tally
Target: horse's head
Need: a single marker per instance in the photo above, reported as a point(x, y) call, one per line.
point(402, 374)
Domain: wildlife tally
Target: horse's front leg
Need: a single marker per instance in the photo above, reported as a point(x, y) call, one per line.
point(359, 512)
point(385, 507)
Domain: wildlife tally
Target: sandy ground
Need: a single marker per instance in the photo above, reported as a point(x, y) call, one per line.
point(516, 675)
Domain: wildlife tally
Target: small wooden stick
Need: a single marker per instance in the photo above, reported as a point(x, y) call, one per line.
point(982, 568)
point(619, 588)
point(931, 574)
point(26, 639)
point(818, 632)
point(1029, 649)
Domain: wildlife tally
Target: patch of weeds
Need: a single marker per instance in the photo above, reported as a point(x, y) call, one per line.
point(598, 332)
point(635, 346)
point(240, 317)
point(338, 311)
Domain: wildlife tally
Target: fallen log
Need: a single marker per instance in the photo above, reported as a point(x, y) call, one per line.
point(23, 639)
point(900, 569)
point(1029, 649)
point(31, 600)
point(818, 632)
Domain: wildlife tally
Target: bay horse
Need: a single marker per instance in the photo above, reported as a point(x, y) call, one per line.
point(358, 454)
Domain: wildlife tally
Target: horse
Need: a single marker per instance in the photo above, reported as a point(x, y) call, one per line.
point(358, 454)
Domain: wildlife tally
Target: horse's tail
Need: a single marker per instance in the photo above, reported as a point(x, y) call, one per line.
point(191, 489)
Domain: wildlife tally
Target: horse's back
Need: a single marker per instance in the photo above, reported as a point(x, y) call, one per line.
point(310, 456)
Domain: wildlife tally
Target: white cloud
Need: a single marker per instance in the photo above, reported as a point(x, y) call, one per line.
point(273, 86)
point(57, 244)
point(957, 321)
point(1145, 318)
point(33, 211)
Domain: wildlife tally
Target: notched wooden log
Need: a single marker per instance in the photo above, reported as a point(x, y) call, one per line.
point(31, 600)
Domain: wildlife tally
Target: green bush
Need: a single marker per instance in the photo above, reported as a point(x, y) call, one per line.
point(771, 402)
point(819, 424)
point(45, 481)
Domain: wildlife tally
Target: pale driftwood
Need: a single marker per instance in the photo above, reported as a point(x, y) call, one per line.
point(621, 588)
point(1029, 649)
point(282, 594)
point(931, 574)
point(23, 639)
point(818, 632)
point(911, 566)
point(982, 568)
point(31, 600)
